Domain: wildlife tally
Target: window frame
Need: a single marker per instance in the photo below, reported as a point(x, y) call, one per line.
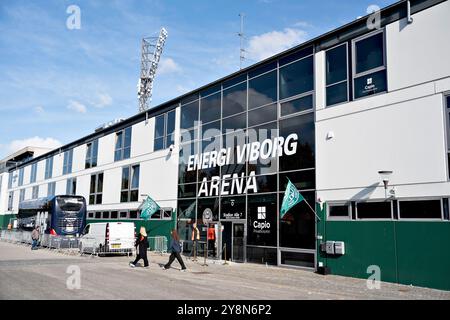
point(67, 162)
point(123, 141)
point(90, 156)
point(21, 174)
point(342, 81)
point(339, 203)
point(21, 195)
point(96, 192)
point(131, 172)
point(357, 218)
point(35, 192)
point(51, 186)
point(70, 186)
point(33, 173)
point(374, 70)
point(48, 168)
point(410, 199)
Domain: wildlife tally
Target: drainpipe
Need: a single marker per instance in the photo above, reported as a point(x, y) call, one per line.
point(409, 19)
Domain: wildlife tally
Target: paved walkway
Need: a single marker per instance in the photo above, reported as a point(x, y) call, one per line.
point(40, 274)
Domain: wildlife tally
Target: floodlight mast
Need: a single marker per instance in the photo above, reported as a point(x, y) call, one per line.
point(151, 51)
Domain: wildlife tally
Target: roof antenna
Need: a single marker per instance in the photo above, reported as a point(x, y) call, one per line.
point(242, 38)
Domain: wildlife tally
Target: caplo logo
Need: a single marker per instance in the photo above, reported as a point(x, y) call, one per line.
point(261, 216)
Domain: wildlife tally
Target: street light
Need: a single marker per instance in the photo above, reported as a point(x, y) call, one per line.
point(385, 174)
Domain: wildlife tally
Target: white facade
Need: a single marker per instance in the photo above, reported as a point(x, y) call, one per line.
point(403, 130)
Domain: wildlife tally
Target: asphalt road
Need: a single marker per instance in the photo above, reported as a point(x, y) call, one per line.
point(40, 274)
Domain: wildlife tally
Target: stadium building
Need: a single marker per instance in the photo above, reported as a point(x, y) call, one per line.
point(357, 119)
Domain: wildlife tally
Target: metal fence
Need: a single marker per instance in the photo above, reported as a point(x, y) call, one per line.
point(158, 244)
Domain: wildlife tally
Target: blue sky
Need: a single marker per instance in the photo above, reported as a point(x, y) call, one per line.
point(57, 85)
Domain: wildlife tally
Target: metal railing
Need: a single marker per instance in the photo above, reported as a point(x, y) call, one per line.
point(158, 244)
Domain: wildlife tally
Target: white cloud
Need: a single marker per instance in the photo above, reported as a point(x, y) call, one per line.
point(36, 141)
point(39, 110)
point(103, 100)
point(168, 65)
point(76, 106)
point(302, 24)
point(270, 43)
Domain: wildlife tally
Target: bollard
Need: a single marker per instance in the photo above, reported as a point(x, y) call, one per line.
point(206, 253)
point(225, 247)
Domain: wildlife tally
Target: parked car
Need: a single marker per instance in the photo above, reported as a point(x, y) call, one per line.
point(108, 237)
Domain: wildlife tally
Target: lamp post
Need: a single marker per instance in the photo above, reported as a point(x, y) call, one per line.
point(385, 174)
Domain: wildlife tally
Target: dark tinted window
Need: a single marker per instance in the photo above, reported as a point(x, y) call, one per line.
point(189, 115)
point(297, 78)
point(298, 259)
point(210, 108)
point(262, 90)
point(297, 105)
point(370, 84)
point(262, 115)
point(184, 175)
point(337, 93)
point(204, 204)
point(262, 255)
point(235, 99)
point(297, 228)
point(232, 207)
point(335, 210)
point(159, 126)
point(211, 129)
point(303, 126)
point(424, 209)
point(369, 53)
point(262, 220)
point(237, 122)
point(303, 180)
point(171, 122)
point(374, 210)
point(113, 214)
point(260, 134)
point(336, 64)
point(186, 209)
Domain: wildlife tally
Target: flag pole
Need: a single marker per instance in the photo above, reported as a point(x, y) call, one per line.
point(313, 210)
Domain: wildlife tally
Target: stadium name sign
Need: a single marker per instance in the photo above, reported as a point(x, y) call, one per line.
point(238, 183)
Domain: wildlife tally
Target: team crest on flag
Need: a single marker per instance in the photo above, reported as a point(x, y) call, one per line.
point(148, 208)
point(291, 197)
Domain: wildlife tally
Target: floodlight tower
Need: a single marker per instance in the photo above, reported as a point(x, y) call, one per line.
point(151, 50)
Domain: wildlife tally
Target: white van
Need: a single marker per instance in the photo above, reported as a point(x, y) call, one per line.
point(108, 237)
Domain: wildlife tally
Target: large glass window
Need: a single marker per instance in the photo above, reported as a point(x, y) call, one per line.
point(262, 133)
point(33, 173)
point(262, 90)
point(421, 209)
point(374, 210)
point(91, 154)
point(123, 145)
point(130, 184)
point(336, 75)
point(186, 174)
point(22, 195)
point(262, 220)
point(304, 157)
point(262, 115)
point(71, 186)
point(297, 227)
point(210, 108)
point(369, 70)
point(297, 105)
point(67, 164)
point(96, 188)
point(232, 207)
point(48, 168)
point(21, 176)
point(297, 78)
point(235, 99)
point(189, 115)
point(51, 186)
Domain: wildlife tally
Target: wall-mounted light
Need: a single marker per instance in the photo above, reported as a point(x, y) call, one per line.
point(385, 174)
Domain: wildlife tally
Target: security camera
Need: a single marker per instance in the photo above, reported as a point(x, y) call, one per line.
point(171, 148)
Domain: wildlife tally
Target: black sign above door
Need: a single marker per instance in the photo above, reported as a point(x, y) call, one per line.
point(232, 208)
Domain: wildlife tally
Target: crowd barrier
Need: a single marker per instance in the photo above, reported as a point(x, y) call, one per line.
point(158, 244)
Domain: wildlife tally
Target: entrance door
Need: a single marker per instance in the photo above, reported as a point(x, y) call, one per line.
point(238, 242)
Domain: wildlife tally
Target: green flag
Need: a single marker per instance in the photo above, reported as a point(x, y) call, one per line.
point(148, 208)
point(290, 199)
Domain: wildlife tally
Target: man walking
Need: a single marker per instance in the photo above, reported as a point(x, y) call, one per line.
point(35, 238)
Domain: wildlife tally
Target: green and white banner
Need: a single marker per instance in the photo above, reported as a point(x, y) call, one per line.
point(291, 197)
point(148, 208)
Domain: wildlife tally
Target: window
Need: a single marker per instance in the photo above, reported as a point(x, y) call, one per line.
point(20, 177)
point(71, 186)
point(369, 71)
point(67, 164)
point(10, 179)
point(91, 154)
point(189, 115)
point(123, 215)
point(98, 215)
point(262, 90)
point(297, 78)
point(130, 184)
point(164, 130)
point(374, 210)
point(33, 173)
point(22, 195)
point(298, 105)
point(234, 99)
point(262, 115)
point(51, 189)
point(336, 75)
point(210, 108)
point(133, 214)
point(114, 214)
point(90, 214)
point(48, 167)
point(96, 188)
point(123, 144)
point(10, 200)
point(420, 209)
point(35, 192)
point(105, 215)
point(338, 210)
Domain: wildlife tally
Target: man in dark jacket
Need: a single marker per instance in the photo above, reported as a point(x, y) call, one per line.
point(141, 248)
point(176, 249)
